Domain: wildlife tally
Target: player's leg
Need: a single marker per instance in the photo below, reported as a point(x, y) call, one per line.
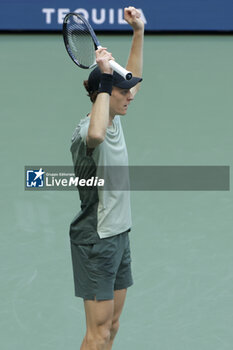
point(99, 316)
point(122, 282)
point(114, 273)
point(119, 300)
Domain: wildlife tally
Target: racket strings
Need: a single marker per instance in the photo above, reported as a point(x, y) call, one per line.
point(80, 42)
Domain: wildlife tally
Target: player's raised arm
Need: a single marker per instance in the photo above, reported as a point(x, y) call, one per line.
point(99, 116)
point(135, 60)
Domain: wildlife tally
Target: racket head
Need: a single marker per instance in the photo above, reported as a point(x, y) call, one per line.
point(80, 40)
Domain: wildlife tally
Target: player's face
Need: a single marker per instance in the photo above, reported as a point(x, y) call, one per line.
point(119, 101)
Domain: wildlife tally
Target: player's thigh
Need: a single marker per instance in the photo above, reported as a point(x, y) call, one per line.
point(99, 313)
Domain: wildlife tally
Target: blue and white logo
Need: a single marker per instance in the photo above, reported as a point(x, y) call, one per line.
point(35, 178)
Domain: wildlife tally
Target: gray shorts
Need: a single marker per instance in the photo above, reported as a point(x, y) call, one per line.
point(101, 268)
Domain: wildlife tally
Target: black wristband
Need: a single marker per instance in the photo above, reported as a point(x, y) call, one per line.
point(106, 81)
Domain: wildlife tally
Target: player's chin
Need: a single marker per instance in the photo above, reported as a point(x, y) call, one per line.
point(122, 111)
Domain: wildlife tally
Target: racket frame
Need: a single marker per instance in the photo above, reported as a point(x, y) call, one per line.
point(114, 65)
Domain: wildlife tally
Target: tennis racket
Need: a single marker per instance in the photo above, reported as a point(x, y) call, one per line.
point(81, 43)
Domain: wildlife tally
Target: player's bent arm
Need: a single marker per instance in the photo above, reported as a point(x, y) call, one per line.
point(99, 120)
point(135, 60)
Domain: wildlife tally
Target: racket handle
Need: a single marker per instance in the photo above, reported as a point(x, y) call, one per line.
point(120, 70)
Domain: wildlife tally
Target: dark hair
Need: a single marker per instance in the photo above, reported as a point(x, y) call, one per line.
point(91, 94)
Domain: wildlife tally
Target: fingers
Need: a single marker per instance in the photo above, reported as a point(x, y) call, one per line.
point(133, 17)
point(103, 55)
point(102, 59)
point(132, 12)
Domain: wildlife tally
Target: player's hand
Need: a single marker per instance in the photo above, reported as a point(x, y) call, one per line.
point(102, 59)
point(133, 17)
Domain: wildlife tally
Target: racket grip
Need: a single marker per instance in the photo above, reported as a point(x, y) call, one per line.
point(120, 70)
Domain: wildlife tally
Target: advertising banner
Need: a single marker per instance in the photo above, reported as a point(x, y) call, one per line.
point(158, 15)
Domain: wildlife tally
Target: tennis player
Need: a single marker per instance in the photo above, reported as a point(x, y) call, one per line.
point(99, 233)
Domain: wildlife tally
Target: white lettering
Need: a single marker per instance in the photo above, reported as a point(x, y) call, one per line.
point(82, 182)
point(64, 182)
point(98, 16)
point(48, 15)
point(73, 181)
point(61, 14)
point(47, 181)
point(101, 182)
point(52, 181)
point(121, 17)
point(57, 182)
point(83, 12)
point(102, 16)
point(111, 16)
point(90, 181)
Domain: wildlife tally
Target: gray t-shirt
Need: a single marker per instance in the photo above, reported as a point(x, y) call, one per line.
point(106, 213)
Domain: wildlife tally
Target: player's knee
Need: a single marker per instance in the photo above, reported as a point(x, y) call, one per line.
point(114, 328)
point(99, 338)
point(103, 336)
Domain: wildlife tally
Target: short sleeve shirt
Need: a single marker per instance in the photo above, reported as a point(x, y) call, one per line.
point(106, 213)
